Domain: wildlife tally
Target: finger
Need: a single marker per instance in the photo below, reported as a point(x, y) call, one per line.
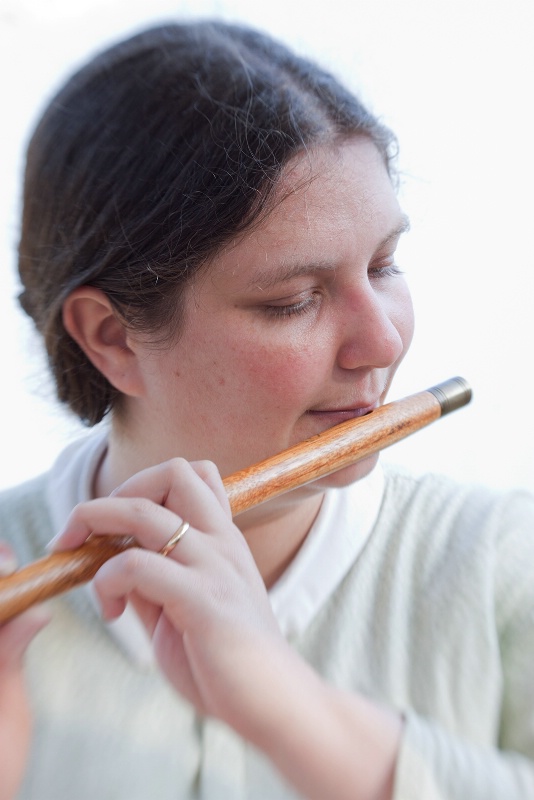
point(210, 474)
point(151, 525)
point(154, 580)
point(187, 489)
point(168, 584)
point(147, 612)
point(174, 485)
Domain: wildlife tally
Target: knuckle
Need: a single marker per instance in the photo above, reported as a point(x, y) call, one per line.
point(175, 471)
point(178, 465)
point(207, 470)
point(133, 560)
point(146, 515)
point(142, 507)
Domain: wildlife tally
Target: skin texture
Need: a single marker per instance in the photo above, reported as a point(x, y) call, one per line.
point(297, 325)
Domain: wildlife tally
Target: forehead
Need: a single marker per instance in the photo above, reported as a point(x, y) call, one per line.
point(354, 166)
point(327, 201)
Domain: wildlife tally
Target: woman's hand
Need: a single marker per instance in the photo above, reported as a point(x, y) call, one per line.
point(15, 717)
point(205, 605)
point(206, 609)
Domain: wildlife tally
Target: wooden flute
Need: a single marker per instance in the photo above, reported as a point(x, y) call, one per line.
point(327, 452)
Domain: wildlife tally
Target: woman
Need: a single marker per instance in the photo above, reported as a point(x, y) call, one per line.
point(208, 248)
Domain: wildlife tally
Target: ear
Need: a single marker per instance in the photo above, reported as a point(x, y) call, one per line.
point(90, 319)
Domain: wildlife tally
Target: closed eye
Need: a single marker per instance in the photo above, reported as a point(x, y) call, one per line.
point(283, 309)
point(386, 271)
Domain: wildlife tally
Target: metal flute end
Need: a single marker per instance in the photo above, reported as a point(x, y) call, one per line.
point(452, 394)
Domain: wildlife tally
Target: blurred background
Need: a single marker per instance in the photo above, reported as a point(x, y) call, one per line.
point(454, 81)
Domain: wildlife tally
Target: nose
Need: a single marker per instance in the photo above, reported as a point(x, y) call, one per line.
point(370, 330)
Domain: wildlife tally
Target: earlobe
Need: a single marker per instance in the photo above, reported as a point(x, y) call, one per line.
point(90, 319)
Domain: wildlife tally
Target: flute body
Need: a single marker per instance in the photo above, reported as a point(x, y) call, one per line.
point(327, 452)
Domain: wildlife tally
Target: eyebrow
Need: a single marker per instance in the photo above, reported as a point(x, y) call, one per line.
point(403, 227)
point(267, 278)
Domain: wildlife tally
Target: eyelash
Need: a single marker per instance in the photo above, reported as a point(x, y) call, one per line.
point(303, 306)
point(389, 271)
point(292, 309)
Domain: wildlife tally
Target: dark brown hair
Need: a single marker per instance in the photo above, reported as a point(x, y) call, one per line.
point(147, 161)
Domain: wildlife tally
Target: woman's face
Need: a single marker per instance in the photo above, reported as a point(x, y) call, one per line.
point(296, 326)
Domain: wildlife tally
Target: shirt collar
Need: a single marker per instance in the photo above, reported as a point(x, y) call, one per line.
point(338, 535)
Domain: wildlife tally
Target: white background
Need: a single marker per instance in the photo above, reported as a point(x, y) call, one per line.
point(455, 81)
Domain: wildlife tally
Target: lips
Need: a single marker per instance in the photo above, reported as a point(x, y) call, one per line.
point(333, 416)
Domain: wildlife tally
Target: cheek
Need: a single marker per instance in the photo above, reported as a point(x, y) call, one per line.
point(246, 372)
point(282, 375)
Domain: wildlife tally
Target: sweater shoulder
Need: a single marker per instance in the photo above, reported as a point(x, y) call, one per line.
point(432, 495)
point(467, 532)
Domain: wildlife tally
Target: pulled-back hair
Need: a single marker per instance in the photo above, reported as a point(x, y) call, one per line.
point(147, 161)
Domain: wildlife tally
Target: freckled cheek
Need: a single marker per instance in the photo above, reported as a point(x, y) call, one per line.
point(282, 377)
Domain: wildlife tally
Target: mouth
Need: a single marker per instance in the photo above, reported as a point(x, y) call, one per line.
point(334, 416)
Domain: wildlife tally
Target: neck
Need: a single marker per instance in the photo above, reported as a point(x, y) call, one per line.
point(276, 530)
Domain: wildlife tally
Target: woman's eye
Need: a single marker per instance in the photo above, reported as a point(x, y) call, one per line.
point(285, 309)
point(385, 271)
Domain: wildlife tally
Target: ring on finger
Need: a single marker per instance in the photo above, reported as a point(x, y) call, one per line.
point(175, 538)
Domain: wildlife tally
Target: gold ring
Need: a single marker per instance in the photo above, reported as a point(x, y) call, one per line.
point(175, 538)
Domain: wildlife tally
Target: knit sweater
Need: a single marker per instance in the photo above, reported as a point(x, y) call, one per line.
point(435, 618)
